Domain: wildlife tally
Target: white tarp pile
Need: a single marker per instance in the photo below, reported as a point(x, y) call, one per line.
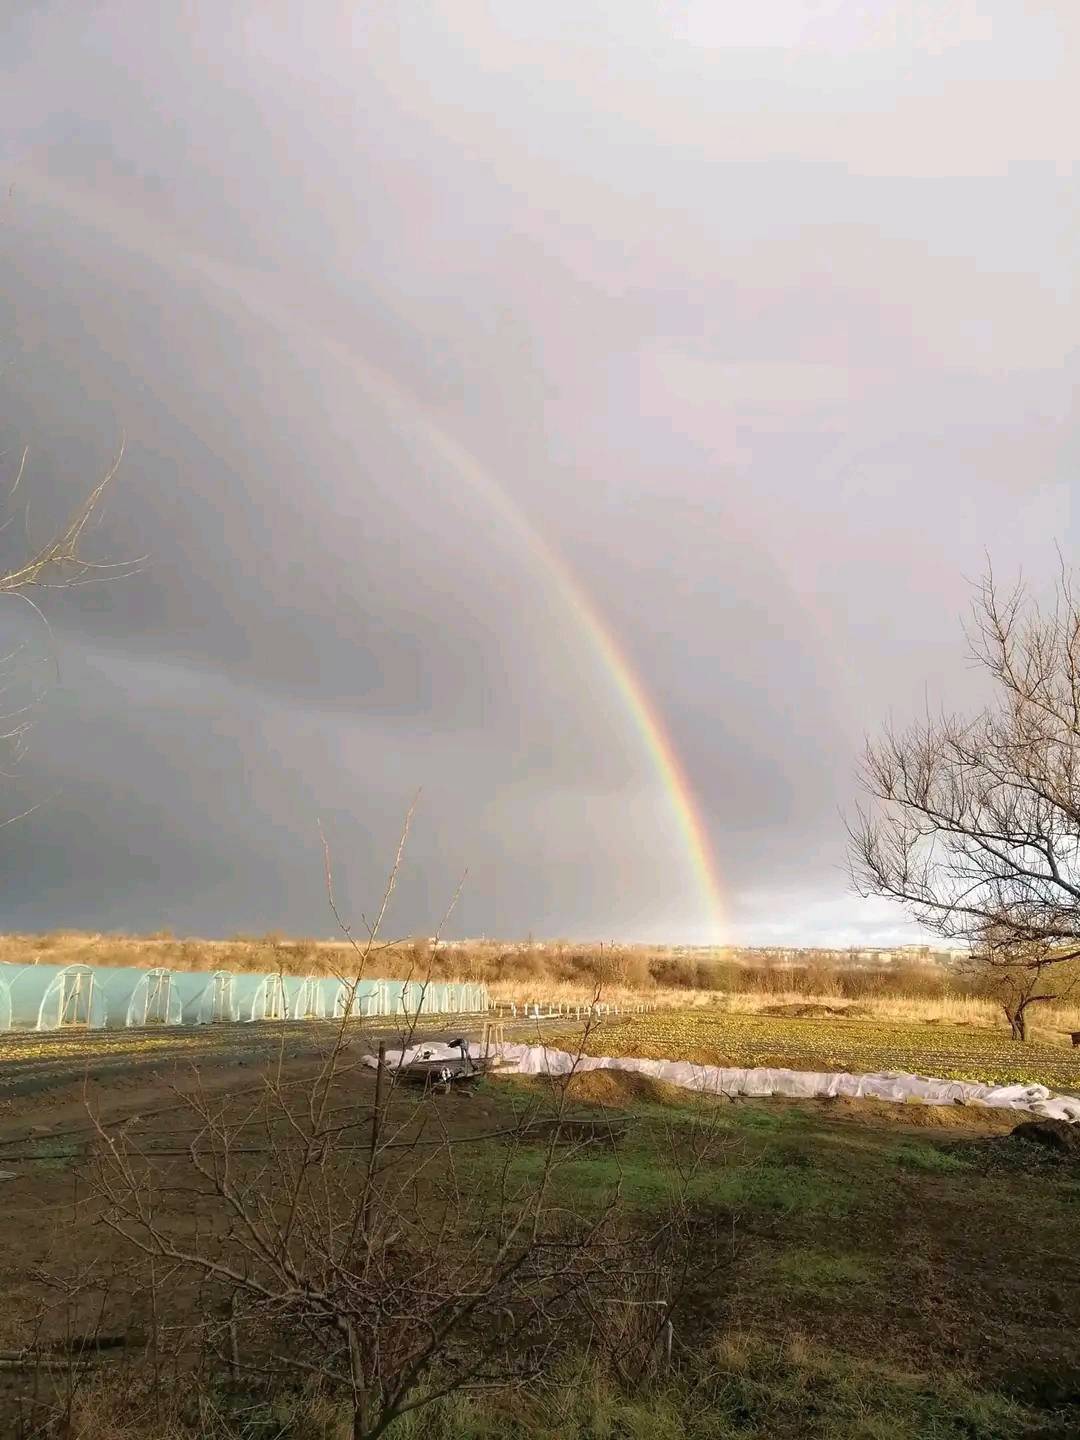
point(797, 1084)
point(430, 1050)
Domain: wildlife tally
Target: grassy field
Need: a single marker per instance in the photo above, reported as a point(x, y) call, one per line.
point(854, 1278)
point(861, 1045)
point(1054, 1022)
point(856, 1291)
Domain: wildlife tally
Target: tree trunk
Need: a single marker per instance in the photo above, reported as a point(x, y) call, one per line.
point(1017, 1022)
point(360, 1406)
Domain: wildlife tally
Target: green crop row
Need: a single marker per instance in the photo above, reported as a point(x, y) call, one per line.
point(857, 1046)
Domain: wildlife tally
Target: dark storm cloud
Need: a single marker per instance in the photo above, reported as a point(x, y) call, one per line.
point(767, 322)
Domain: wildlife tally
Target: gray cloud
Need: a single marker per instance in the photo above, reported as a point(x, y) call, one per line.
point(764, 324)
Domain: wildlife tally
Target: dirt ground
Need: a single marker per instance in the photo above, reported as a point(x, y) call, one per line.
point(923, 1237)
point(34, 1061)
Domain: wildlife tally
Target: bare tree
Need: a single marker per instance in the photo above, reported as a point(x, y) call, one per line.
point(386, 1258)
point(1020, 977)
point(58, 564)
point(354, 1236)
point(974, 822)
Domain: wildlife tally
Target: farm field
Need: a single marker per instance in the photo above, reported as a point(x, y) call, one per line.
point(39, 1060)
point(30, 1060)
point(861, 1046)
point(845, 1283)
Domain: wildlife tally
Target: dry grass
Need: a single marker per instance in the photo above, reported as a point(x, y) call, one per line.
point(944, 1009)
point(260, 954)
point(565, 974)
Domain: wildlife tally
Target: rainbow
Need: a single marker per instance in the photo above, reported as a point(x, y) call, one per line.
point(131, 231)
point(587, 617)
point(650, 726)
point(624, 679)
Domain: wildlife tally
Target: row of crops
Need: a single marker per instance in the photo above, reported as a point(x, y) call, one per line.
point(57, 997)
point(861, 1047)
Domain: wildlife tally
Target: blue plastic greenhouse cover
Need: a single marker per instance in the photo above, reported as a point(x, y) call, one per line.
point(207, 996)
point(309, 997)
point(261, 997)
point(6, 971)
point(52, 997)
point(139, 997)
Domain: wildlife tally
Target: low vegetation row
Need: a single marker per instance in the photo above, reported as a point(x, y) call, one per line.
point(713, 1037)
point(631, 967)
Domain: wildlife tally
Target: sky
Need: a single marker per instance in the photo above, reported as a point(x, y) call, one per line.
point(589, 415)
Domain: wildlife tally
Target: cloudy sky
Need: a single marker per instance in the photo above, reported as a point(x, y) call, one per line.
point(490, 373)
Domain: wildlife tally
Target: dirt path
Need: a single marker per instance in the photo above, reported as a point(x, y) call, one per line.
point(48, 1081)
point(33, 1061)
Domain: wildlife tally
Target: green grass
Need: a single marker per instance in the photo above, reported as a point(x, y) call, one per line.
point(765, 1118)
point(767, 1186)
point(916, 1155)
point(822, 1274)
point(587, 1182)
point(849, 1286)
point(53, 1154)
point(646, 1181)
point(744, 1389)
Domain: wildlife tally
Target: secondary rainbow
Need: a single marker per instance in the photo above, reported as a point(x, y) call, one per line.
point(132, 231)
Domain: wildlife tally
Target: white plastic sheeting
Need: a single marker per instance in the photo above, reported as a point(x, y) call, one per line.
point(797, 1084)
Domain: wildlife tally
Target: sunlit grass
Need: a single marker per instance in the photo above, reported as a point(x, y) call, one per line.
point(831, 1044)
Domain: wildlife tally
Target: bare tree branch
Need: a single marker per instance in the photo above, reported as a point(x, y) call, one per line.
point(973, 824)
